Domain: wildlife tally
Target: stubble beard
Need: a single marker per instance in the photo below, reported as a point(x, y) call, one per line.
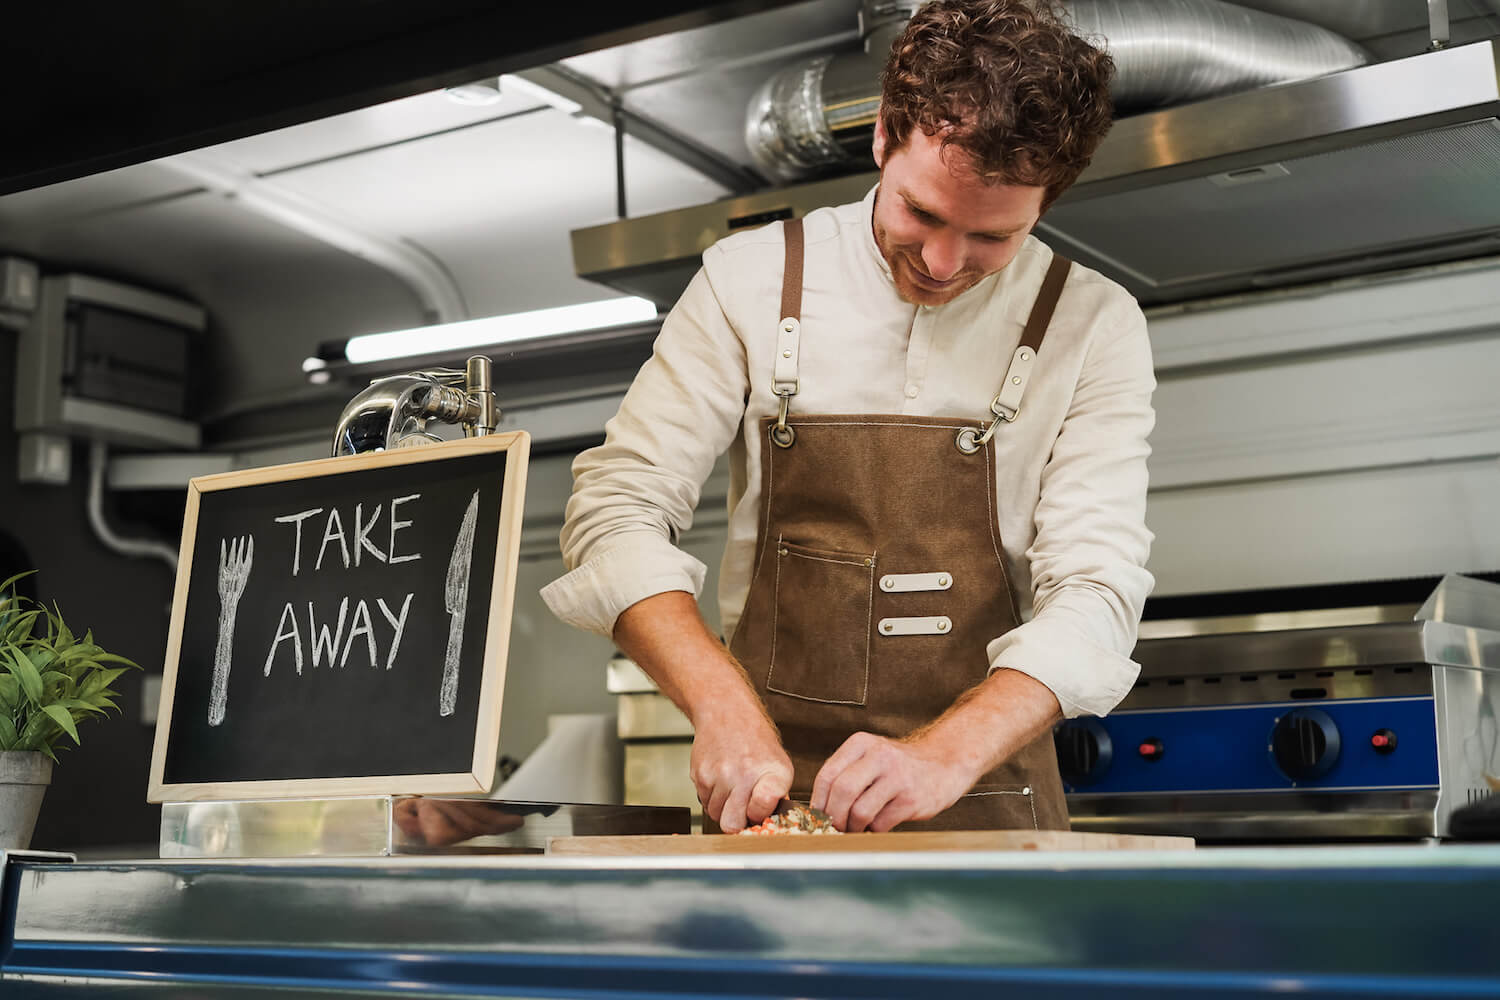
point(901, 264)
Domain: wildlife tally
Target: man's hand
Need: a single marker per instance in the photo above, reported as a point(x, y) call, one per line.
point(874, 783)
point(739, 767)
point(440, 822)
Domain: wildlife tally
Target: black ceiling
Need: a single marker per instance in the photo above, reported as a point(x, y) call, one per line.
point(86, 87)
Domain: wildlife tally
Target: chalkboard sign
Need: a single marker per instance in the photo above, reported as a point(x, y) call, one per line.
point(340, 626)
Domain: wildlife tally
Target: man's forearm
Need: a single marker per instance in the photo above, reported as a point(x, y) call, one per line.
point(666, 636)
point(991, 722)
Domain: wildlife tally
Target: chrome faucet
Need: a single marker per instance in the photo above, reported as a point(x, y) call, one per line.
point(394, 412)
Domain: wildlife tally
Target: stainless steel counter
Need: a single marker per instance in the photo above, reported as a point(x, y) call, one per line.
point(1409, 920)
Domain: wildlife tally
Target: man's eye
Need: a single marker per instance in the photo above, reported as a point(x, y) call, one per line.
point(987, 238)
point(921, 216)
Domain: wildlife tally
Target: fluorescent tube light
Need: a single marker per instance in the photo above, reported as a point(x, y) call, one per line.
point(499, 329)
point(521, 85)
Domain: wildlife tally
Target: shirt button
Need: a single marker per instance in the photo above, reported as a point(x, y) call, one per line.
point(912, 391)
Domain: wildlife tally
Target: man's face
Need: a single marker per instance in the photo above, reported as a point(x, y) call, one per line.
point(940, 227)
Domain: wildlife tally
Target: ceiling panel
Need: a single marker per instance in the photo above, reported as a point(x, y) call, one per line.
point(27, 216)
point(495, 203)
point(368, 128)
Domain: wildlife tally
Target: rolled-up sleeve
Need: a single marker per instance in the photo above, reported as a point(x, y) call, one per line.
point(1088, 558)
point(634, 495)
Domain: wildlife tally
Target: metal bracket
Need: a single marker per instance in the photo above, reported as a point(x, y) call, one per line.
point(1437, 24)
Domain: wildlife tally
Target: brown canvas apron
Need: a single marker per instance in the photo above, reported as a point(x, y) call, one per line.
point(878, 578)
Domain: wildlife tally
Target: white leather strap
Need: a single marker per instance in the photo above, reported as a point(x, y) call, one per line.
point(908, 583)
point(1008, 403)
point(931, 625)
point(784, 381)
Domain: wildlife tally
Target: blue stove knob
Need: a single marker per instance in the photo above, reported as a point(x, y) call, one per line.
point(1305, 743)
point(1084, 750)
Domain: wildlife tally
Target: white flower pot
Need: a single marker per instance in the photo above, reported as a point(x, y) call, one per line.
point(24, 776)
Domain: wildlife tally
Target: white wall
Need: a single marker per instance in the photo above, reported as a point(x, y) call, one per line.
point(1349, 433)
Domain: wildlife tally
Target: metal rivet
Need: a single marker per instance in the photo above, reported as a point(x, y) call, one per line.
point(786, 354)
point(1025, 355)
point(886, 583)
point(869, 562)
point(788, 327)
point(1016, 380)
point(942, 626)
point(887, 627)
point(781, 552)
point(942, 581)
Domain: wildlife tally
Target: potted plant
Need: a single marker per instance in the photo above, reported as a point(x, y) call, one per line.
point(50, 680)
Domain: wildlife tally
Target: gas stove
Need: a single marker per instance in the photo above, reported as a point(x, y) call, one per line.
point(1347, 723)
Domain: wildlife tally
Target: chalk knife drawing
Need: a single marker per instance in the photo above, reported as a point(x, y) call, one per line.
point(456, 599)
point(234, 569)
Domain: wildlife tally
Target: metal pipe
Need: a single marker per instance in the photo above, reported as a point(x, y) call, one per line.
point(821, 113)
point(132, 547)
point(618, 116)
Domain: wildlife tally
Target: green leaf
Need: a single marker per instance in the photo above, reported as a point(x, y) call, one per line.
point(64, 636)
point(31, 681)
point(12, 580)
point(21, 627)
point(98, 681)
point(112, 658)
point(10, 694)
point(9, 738)
point(63, 718)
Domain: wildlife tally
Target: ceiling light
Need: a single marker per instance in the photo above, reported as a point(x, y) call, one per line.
point(491, 330)
point(479, 92)
point(521, 85)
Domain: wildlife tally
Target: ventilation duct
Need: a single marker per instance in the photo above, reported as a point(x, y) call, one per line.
point(821, 113)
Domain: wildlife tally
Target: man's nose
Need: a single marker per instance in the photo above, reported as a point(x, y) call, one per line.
point(943, 257)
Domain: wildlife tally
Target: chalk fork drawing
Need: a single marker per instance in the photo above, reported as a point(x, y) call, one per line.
point(456, 600)
point(234, 569)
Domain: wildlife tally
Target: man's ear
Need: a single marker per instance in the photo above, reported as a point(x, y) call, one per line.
point(878, 148)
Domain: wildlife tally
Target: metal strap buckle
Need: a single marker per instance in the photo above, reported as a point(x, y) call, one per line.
point(970, 440)
point(781, 434)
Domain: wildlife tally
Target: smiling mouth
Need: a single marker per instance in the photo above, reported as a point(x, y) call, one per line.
point(930, 283)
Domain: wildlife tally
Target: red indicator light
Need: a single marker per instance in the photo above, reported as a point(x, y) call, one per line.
point(1378, 740)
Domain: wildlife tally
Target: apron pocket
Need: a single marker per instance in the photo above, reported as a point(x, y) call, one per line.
point(820, 635)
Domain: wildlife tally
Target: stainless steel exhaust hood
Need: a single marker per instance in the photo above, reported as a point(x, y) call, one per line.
point(1368, 169)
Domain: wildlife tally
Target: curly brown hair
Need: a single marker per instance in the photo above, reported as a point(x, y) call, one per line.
point(1006, 82)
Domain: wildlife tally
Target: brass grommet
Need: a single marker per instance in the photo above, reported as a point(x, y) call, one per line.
point(968, 441)
point(783, 435)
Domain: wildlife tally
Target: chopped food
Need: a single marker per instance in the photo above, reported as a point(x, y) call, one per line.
point(794, 819)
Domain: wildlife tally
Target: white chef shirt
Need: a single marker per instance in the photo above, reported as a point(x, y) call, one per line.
point(1070, 471)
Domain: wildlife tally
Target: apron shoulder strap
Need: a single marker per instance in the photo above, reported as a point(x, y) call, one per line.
point(1007, 405)
point(784, 381)
point(1046, 302)
point(791, 278)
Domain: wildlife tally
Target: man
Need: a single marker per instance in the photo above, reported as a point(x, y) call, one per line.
point(924, 570)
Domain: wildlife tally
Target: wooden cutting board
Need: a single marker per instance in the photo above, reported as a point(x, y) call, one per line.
point(951, 840)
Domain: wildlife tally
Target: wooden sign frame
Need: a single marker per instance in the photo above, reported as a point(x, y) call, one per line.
point(517, 446)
